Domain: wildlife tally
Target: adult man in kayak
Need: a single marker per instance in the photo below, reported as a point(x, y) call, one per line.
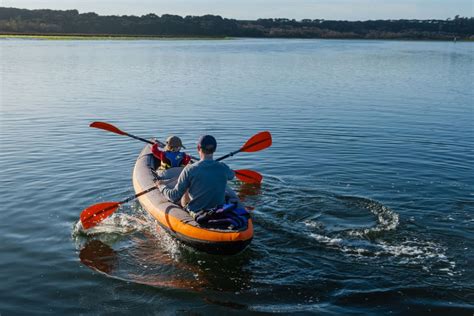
point(205, 181)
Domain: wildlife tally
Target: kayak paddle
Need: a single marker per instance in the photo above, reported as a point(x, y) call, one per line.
point(113, 129)
point(254, 144)
point(96, 213)
point(257, 142)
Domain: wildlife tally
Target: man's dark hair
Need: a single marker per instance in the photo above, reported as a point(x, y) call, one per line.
point(207, 144)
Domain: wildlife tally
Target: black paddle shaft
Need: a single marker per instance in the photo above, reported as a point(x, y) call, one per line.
point(228, 155)
point(139, 138)
point(137, 195)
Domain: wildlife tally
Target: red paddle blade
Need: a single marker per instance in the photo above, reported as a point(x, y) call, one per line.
point(107, 127)
point(258, 142)
point(95, 214)
point(248, 176)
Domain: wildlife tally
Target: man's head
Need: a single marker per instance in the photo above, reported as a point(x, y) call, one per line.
point(207, 144)
point(173, 143)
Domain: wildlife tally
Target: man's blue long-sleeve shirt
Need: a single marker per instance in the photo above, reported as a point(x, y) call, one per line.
point(206, 181)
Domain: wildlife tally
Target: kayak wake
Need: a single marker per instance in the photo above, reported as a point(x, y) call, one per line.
point(359, 228)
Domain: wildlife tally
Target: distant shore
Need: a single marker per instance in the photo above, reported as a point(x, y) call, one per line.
point(71, 24)
point(102, 37)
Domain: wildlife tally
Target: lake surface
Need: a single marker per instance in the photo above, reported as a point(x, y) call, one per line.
point(367, 203)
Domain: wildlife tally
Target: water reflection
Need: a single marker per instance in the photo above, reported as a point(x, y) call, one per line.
point(246, 190)
point(98, 256)
point(145, 261)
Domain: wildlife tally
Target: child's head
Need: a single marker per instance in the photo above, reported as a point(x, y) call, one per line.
point(173, 143)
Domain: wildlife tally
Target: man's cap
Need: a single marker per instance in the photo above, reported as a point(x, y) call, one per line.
point(208, 143)
point(174, 142)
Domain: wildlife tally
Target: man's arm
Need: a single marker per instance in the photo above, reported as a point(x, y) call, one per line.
point(230, 173)
point(179, 189)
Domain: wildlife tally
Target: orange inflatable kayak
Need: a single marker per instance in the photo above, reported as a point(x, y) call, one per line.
point(177, 221)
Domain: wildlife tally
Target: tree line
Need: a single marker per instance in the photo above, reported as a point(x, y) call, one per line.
point(23, 21)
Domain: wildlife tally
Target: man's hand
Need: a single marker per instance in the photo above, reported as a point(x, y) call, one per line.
point(161, 184)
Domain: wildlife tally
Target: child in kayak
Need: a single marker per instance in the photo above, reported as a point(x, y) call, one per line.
point(172, 156)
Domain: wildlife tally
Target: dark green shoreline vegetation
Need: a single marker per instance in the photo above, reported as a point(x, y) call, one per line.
point(105, 37)
point(70, 24)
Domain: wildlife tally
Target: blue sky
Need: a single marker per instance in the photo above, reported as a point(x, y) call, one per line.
point(253, 9)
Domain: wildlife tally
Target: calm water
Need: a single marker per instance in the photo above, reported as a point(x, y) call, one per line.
point(367, 204)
